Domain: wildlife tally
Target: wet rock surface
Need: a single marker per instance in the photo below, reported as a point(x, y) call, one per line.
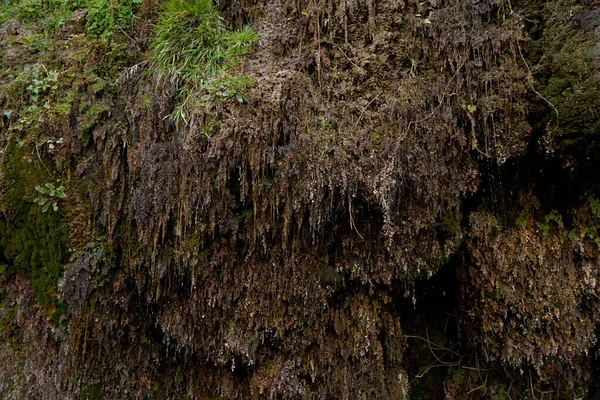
point(383, 216)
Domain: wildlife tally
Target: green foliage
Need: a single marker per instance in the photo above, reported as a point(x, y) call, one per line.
point(33, 244)
point(544, 225)
point(587, 223)
point(56, 19)
point(49, 196)
point(229, 87)
point(40, 84)
point(32, 241)
point(52, 13)
point(93, 112)
point(192, 46)
point(106, 17)
point(325, 125)
point(30, 12)
point(33, 81)
point(449, 223)
point(34, 88)
point(595, 206)
point(562, 61)
point(521, 221)
point(18, 82)
point(192, 42)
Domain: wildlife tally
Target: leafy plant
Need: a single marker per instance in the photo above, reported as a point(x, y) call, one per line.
point(595, 206)
point(49, 196)
point(41, 85)
point(56, 19)
point(192, 46)
point(106, 17)
point(29, 12)
point(521, 221)
point(325, 125)
point(544, 226)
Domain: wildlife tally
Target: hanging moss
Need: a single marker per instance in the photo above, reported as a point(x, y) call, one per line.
point(561, 60)
point(32, 241)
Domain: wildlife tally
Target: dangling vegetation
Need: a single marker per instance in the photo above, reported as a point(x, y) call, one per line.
point(408, 206)
point(193, 48)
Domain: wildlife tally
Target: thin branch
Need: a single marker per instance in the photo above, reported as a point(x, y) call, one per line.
point(432, 343)
point(477, 388)
point(530, 76)
point(443, 95)
point(364, 110)
point(352, 224)
point(347, 58)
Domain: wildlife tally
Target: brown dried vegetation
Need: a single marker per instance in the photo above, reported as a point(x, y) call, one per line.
point(266, 248)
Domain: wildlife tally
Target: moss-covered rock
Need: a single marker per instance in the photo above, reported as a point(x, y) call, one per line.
point(32, 241)
point(281, 242)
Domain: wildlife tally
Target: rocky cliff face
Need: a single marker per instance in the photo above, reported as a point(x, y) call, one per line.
point(404, 205)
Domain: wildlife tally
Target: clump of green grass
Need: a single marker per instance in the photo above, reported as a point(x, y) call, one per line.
point(193, 47)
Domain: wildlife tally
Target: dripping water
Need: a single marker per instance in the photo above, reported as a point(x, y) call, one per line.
point(501, 204)
point(495, 185)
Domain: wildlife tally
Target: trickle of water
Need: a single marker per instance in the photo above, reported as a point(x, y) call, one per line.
point(502, 205)
point(489, 169)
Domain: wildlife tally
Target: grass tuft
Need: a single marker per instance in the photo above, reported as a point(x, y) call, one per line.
point(193, 47)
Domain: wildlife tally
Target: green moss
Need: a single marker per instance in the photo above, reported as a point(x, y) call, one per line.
point(434, 262)
point(562, 63)
point(92, 391)
point(449, 223)
point(31, 241)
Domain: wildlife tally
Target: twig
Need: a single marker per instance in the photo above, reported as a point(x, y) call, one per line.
point(530, 76)
point(352, 224)
point(364, 110)
point(347, 58)
point(424, 372)
point(37, 150)
point(531, 386)
point(435, 355)
point(431, 343)
point(476, 369)
point(477, 388)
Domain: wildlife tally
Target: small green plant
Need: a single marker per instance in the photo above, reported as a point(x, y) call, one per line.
point(50, 194)
point(192, 42)
point(30, 12)
point(193, 48)
point(36, 43)
point(521, 221)
point(41, 85)
point(230, 87)
point(595, 206)
point(325, 125)
point(56, 19)
point(31, 90)
point(107, 17)
point(544, 226)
